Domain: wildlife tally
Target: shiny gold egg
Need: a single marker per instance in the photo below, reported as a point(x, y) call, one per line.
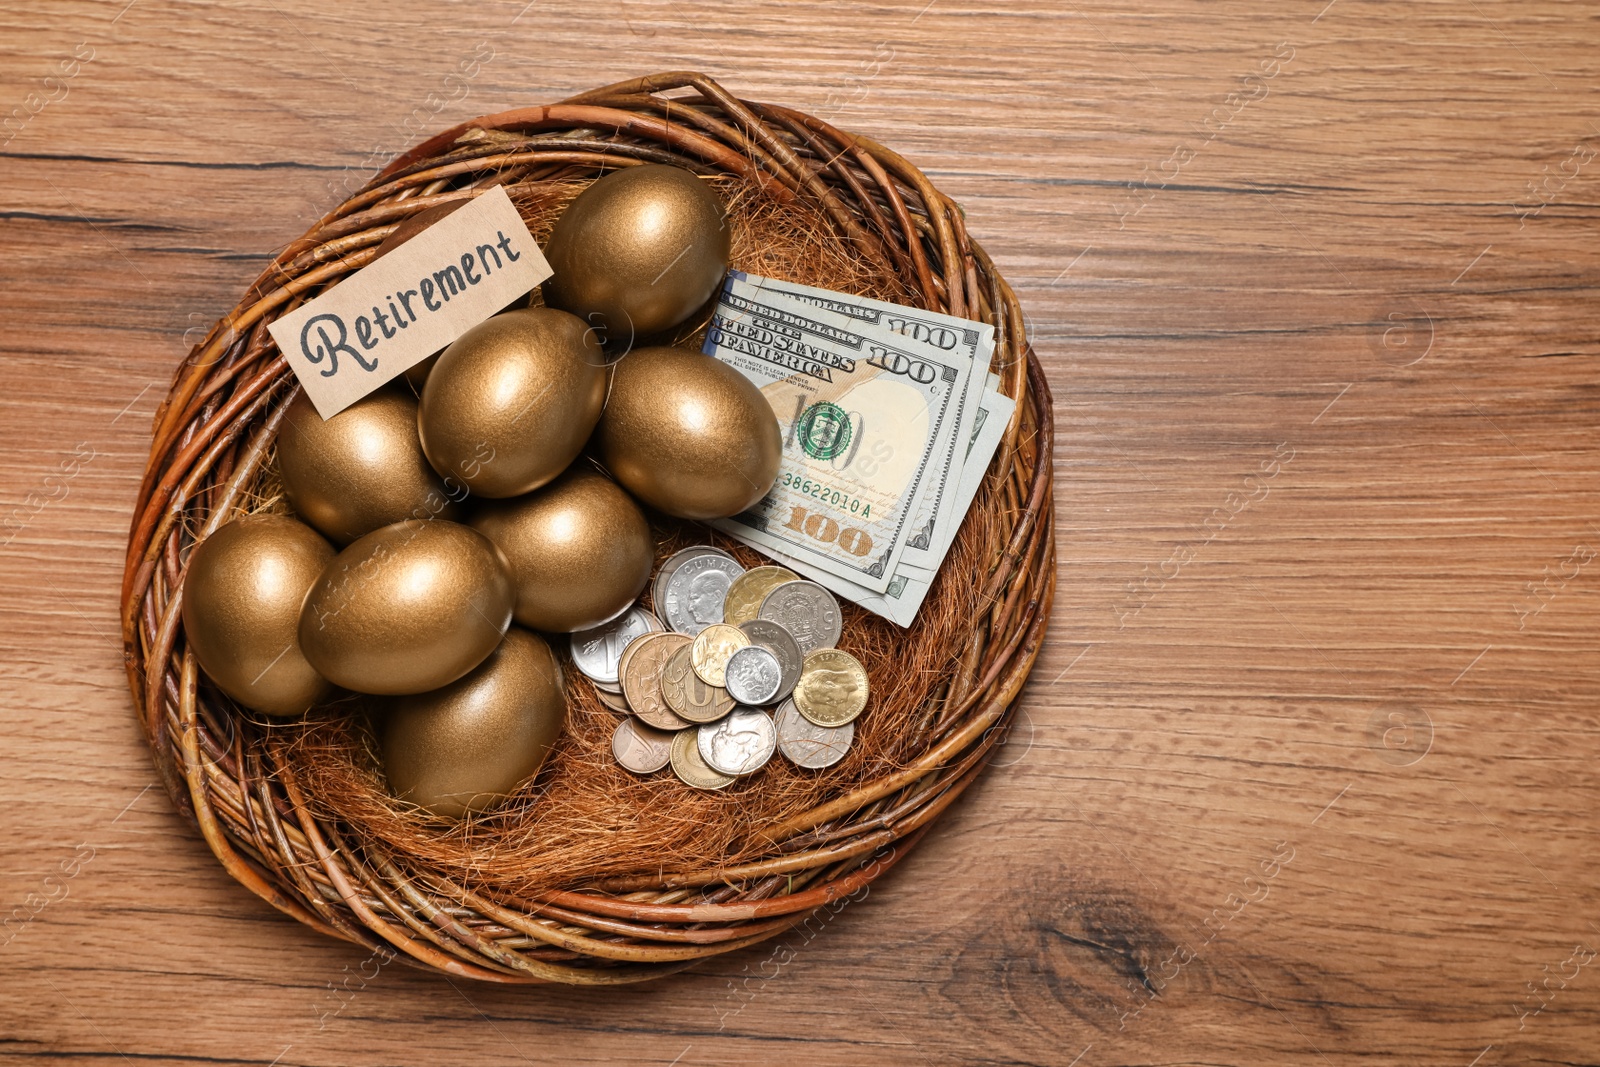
point(580, 550)
point(361, 469)
point(638, 251)
point(512, 401)
point(241, 611)
point(407, 608)
point(688, 434)
point(464, 747)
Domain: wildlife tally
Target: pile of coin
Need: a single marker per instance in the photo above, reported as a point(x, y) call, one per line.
point(739, 664)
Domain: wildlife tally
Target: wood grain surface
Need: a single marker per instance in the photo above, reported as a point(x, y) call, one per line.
point(1306, 773)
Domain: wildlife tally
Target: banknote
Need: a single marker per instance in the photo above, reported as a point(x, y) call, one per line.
point(902, 599)
point(865, 416)
point(961, 342)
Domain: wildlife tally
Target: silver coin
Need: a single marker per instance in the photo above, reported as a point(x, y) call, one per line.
point(658, 586)
point(740, 743)
point(809, 612)
point(595, 652)
point(696, 591)
point(639, 748)
point(805, 744)
point(753, 675)
point(781, 643)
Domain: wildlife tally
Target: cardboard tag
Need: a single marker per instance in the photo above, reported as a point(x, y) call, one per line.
point(402, 308)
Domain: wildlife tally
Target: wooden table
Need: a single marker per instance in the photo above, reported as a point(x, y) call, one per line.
point(1307, 770)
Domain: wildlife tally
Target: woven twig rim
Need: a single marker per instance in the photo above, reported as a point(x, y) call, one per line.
point(215, 429)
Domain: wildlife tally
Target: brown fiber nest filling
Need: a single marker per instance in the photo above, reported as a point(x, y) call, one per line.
point(591, 874)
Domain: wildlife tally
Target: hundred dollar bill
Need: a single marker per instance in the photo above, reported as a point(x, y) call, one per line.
point(962, 342)
point(900, 602)
point(864, 418)
point(994, 415)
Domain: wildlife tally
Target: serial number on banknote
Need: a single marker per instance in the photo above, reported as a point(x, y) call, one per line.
point(827, 494)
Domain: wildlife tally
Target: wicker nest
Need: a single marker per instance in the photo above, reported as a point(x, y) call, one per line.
point(592, 875)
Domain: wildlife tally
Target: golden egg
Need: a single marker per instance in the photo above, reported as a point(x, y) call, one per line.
point(638, 251)
point(580, 550)
point(361, 469)
point(466, 746)
point(688, 434)
point(241, 611)
point(407, 608)
point(512, 401)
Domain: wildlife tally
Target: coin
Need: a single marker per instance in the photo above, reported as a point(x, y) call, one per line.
point(807, 611)
point(743, 602)
point(712, 648)
point(781, 643)
point(695, 592)
point(658, 586)
point(688, 694)
point(808, 745)
point(753, 675)
point(739, 744)
point(614, 701)
point(595, 652)
point(639, 748)
point(641, 679)
point(627, 654)
point(690, 768)
point(832, 688)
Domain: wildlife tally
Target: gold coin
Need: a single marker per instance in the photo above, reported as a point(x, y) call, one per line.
point(745, 595)
point(712, 649)
point(690, 768)
point(832, 689)
point(688, 694)
point(614, 701)
point(625, 655)
point(641, 679)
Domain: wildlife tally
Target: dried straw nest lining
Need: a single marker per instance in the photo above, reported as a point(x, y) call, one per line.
point(593, 875)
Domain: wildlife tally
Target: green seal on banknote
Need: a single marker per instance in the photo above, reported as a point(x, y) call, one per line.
point(824, 430)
